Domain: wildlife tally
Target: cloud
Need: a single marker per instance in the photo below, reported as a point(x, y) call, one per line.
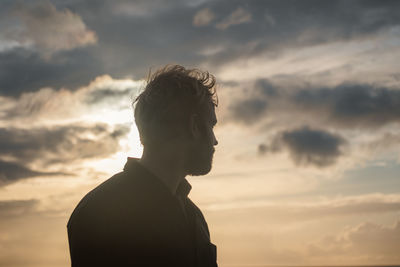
point(239, 16)
point(248, 111)
point(293, 29)
point(23, 70)
point(131, 40)
point(107, 94)
point(135, 50)
point(310, 146)
point(140, 8)
point(41, 26)
point(384, 142)
point(253, 106)
point(369, 238)
point(348, 105)
point(42, 103)
point(16, 208)
point(353, 105)
point(365, 243)
point(12, 172)
point(203, 17)
point(46, 129)
point(266, 88)
point(62, 104)
point(60, 144)
point(298, 223)
point(318, 209)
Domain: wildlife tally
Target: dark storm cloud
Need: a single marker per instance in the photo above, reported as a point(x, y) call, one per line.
point(353, 105)
point(346, 105)
point(22, 70)
point(11, 172)
point(60, 144)
point(279, 25)
point(308, 146)
point(135, 35)
point(49, 48)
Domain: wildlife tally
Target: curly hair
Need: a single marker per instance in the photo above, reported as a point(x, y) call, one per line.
point(172, 95)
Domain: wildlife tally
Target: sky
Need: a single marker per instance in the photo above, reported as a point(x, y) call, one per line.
point(307, 167)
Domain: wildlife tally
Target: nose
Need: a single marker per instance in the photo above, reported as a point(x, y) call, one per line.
point(215, 140)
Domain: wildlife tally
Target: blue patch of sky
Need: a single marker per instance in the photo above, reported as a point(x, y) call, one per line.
point(374, 178)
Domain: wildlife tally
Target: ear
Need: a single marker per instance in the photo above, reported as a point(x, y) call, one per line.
point(194, 126)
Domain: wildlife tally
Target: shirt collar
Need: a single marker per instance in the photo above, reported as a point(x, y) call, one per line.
point(183, 189)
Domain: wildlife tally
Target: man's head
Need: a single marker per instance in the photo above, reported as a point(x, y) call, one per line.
point(178, 107)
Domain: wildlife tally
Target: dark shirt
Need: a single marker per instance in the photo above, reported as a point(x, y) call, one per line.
point(132, 219)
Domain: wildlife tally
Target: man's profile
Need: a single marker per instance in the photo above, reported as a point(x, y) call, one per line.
point(142, 216)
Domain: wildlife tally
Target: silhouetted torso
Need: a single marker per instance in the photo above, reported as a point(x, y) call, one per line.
point(133, 220)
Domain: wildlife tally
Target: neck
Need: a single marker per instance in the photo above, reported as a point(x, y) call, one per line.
point(166, 166)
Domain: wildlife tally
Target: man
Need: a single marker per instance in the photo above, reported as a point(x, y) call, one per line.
point(143, 216)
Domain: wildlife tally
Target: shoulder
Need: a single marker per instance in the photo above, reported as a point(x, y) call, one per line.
point(196, 210)
point(109, 199)
point(198, 217)
point(102, 192)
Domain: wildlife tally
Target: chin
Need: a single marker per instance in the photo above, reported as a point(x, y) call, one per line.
point(200, 167)
point(202, 171)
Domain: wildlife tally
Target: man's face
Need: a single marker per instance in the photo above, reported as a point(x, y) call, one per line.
point(200, 152)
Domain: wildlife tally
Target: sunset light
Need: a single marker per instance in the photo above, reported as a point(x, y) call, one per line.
point(307, 167)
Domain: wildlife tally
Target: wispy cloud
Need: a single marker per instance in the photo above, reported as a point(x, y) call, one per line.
point(42, 27)
point(60, 104)
point(15, 208)
point(44, 147)
point(239, 16)
point(13, 172)
point(203, 17)
point(60, 143)
point(316, 209)
point(375, 242)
